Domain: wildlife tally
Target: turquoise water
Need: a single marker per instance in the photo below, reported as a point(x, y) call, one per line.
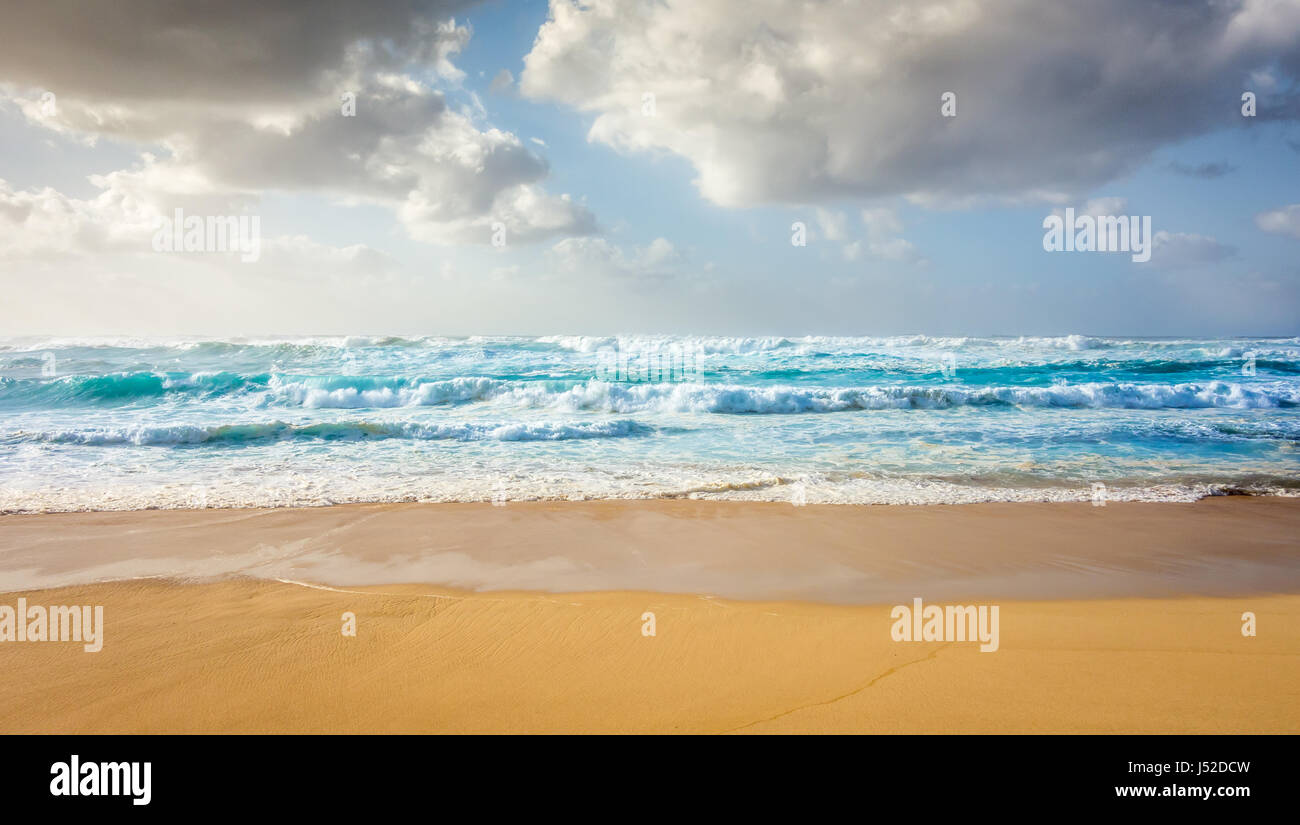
point(114, 424)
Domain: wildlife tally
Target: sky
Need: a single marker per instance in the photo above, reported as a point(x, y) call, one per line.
point(622, 166)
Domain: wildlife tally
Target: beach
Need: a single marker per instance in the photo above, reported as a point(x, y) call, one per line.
point(767, 618)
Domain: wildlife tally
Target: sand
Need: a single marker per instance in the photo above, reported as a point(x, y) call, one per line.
point(1118, 619)
point(740, 550)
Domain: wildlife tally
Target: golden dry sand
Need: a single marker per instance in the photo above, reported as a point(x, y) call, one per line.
point(1118, 619)
point(257, 656)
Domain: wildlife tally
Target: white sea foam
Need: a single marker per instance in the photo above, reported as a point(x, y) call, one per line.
point(298, 491)
point(729, 398)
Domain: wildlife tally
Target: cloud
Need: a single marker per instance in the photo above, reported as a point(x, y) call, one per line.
point(883, 228)
point(305, 258)
point(1203, 170)
point(881, 223)
point(833, 225)
point(799, 103)
point(598, 257)
point(45, 223)
point(502, 83)
point(254, 100)
point(1284, 220)
point(144, 75)
point(44, 226)
point(1109, 206)
point(1177, 250)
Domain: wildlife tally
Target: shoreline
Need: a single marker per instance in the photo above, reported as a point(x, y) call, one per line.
point(837, 554)
point(956, 495)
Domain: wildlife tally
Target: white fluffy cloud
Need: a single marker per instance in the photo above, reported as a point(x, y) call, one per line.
point(833, 225)
point(45, 223)
point(883, 240)
point(777, 102)
point(597, 256)
point(1182, 249)
point(46, 226)
point(884, 237)
point(246, 107)
point(1284, 220)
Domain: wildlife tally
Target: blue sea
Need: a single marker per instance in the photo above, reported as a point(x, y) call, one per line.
point(101, 424)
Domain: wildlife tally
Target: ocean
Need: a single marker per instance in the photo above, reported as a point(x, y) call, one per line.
point(103, 424)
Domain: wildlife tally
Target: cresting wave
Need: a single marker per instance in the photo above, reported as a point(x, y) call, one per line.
point(125, 387)
point(356, 392)
point(234, 434)
point(713, 398)
point(727, 398)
